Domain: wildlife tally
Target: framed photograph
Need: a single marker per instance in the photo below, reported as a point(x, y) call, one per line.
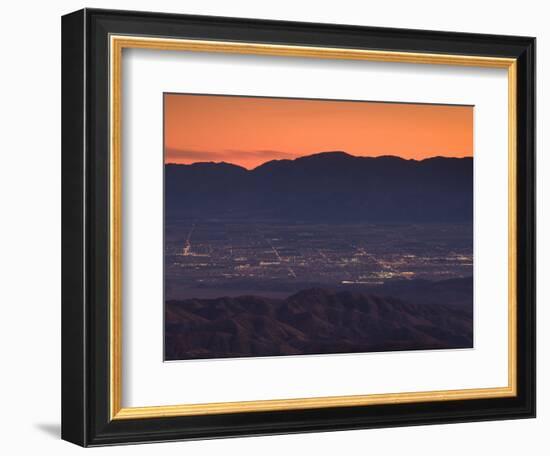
point(279, 227)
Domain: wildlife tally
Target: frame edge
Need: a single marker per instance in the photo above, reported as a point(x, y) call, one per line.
point(73, 302)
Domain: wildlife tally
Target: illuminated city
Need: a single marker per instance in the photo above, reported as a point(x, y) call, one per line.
point(239, 257)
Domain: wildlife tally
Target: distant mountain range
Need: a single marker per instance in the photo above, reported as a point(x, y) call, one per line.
point(312, 321)
point(327, 187)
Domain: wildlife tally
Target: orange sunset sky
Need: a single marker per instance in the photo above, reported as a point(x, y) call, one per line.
point(249, 131)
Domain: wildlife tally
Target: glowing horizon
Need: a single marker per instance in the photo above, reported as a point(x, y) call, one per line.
point(249, 131)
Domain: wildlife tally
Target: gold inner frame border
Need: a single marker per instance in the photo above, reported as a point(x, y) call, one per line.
point(116, 46)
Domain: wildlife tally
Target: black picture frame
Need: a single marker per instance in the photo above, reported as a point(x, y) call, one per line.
point(85, 223)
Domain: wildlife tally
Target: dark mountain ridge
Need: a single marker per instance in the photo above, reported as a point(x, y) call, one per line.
point(311, 321)
point(326, 187)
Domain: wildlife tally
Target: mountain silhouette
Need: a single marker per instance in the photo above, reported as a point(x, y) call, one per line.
point(311, 321)
point(328, 187)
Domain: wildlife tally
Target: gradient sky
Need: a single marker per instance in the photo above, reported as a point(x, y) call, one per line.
point(249, 131)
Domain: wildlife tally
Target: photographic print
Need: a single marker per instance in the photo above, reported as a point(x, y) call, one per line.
point(312, 226)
